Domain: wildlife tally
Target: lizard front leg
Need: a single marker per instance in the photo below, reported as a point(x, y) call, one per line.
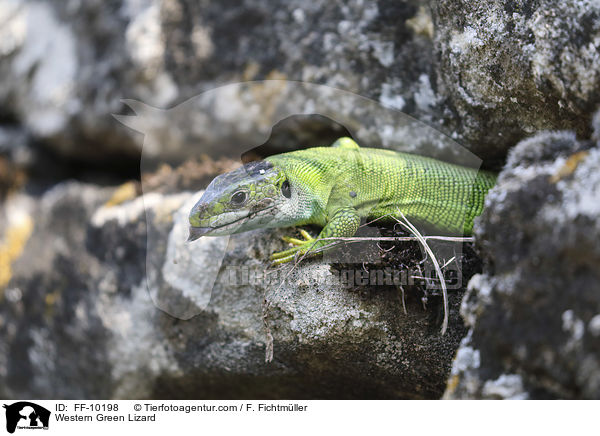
point(343, 223)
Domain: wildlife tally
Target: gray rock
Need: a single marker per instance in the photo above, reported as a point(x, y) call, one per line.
point(108, 301)
point(486, 73)
point(244, 116)
point(533, 315)
point(63, 90)
point(64, 67)
point(511, 68)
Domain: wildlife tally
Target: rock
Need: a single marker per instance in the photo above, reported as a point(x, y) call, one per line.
point(278, 115)
point(101, 297)
point(376, 49)
point(62, 91)
point(486, 73)
point(107, 300)
point(511, 68)
point(534, 312)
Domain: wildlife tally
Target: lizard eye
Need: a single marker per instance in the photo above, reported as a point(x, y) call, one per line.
point(285, 189)
point(238, 198)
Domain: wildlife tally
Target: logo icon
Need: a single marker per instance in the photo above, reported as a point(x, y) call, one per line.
point(26, 415)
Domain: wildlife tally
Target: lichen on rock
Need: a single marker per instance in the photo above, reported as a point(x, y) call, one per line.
point(532, 312)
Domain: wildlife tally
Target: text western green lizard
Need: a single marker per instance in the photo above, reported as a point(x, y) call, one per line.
point(335, 187)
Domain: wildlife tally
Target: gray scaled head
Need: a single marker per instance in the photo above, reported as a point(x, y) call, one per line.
point(247, 198)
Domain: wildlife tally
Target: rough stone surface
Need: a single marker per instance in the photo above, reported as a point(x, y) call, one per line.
point(63, 90)
point(533, 314)
point(244, 117)
point(80, 317)
point(85, 271)
point(486, 73)
point(511, 68)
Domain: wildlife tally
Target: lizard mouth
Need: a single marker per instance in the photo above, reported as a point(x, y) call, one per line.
point(197, 232)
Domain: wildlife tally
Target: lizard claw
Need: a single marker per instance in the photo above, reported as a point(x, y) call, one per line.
point(286, 256)
point(299, 249)
point(293, 241)
point(306, 235)
point(299, 242)
point(293, 254)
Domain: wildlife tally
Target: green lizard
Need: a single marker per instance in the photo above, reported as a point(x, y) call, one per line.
point(335, 187)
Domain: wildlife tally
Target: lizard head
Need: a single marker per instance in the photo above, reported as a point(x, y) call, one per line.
point(247, 198)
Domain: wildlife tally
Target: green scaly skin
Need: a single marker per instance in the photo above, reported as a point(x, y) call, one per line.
point(337, 187)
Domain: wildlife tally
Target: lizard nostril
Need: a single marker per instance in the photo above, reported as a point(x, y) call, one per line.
point(197, 213)
point(200, 209)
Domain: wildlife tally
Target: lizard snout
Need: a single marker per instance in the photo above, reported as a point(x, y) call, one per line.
point(197, 232)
